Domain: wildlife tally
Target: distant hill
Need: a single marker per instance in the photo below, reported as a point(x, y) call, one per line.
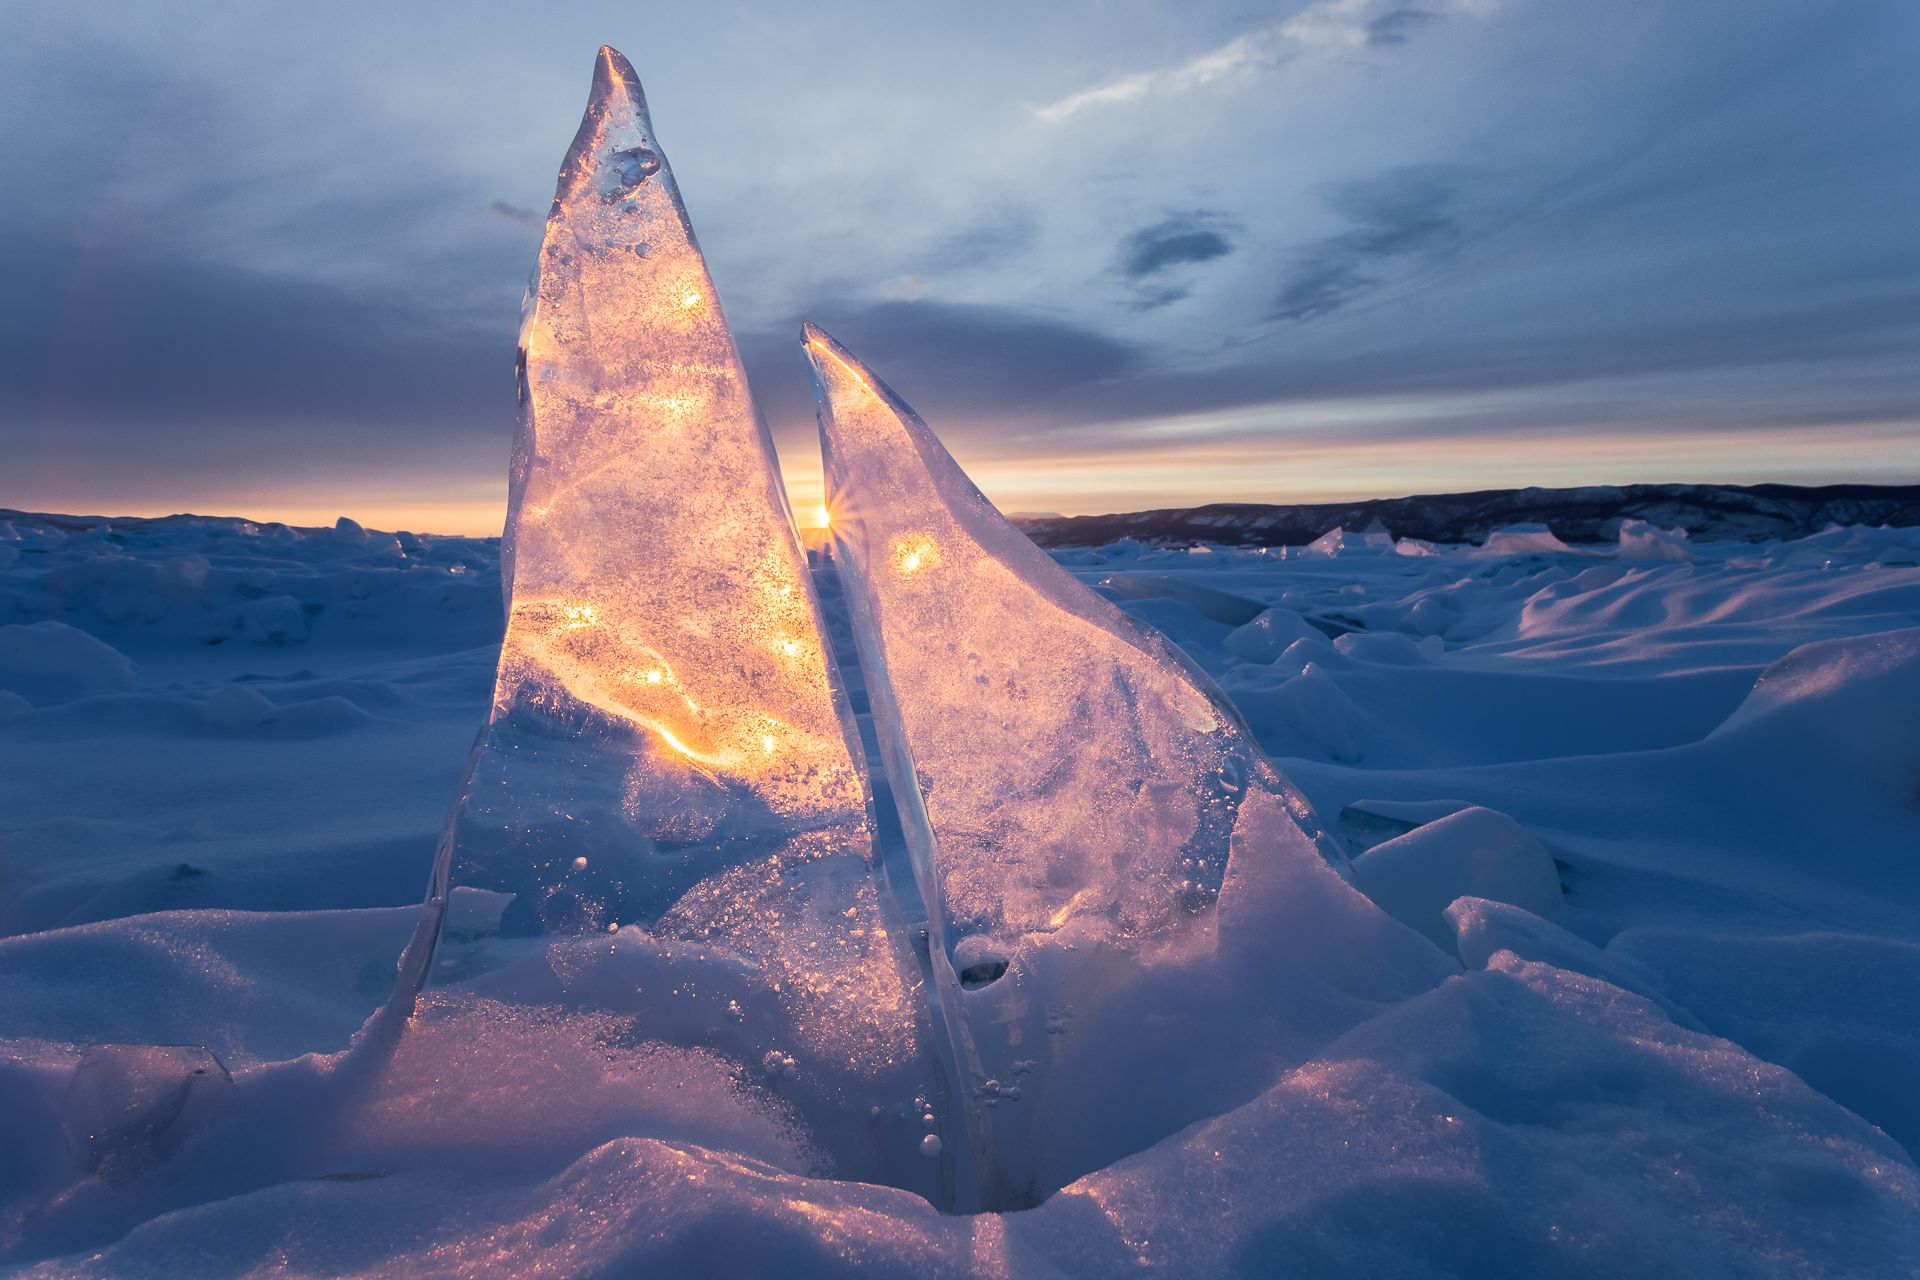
point(1749, 513)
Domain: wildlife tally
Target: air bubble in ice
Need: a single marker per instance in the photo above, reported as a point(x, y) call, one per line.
point(982, 973)
point(629, 168)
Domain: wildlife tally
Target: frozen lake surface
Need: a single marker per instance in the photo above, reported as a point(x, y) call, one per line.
point(228, 751)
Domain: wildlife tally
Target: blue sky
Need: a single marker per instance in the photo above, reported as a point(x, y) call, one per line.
point(267, 260)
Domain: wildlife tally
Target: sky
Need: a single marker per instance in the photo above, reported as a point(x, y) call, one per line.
point(267, 260)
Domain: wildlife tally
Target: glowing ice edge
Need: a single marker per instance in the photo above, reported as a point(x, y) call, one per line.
point(662, 622)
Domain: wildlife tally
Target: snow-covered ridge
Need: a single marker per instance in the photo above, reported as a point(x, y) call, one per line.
point(1594, 513)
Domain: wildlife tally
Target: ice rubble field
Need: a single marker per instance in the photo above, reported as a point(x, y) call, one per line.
point(228, 750)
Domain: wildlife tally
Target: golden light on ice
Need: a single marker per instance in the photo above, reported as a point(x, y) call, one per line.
point(663, 641)
point(1134, 750)
point(844, 367)
point(685, 609)
point(914, 552)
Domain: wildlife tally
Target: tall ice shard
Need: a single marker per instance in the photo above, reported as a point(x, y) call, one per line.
point(1071, 789)
point(667, 814)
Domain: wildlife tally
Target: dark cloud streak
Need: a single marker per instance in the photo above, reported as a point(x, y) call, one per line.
point(1396, 215)
point(1182, 238)
point(1398, 26)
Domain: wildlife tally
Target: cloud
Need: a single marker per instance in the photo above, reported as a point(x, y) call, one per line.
point(994, 236)
point(1700, 218)
point(1153, 297)
point(955, 362)
point(1256, 49)
point(1397, 25)
point(996, 351)
point(1399, 214)
point(1183, 237)
point(515, 214)
point(1328, 26)
point(236, 354)
point(1319, 287)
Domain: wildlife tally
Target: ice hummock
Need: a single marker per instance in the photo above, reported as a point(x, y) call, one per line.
point(1071, 786)
point(666, 814)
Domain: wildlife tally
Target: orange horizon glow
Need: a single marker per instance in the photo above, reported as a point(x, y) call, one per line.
point(1294, 468)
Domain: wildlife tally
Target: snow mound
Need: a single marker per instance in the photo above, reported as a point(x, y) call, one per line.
point(51, 662)
point(1841, 1011)
point(1267, 636)
point(239, 707)
point(1214, 605)
point(1519, 1120)
point(1642, 541)
point(1523, 540)
point(1484, 929)
point(1366, 823)
point(1474, 853)
point(1855, 701)
point(1301, 709)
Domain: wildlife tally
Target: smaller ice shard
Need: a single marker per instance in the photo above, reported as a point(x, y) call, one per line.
point(1071, 787)
point(1075, 762)
point(130, 1106)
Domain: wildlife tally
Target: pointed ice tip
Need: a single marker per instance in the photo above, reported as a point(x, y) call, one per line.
point(822, 349)
point(613, 74)
point(616, 64)
point(819, 342)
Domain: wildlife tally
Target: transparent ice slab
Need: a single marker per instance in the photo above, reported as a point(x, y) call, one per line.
point(666, 814)
point(1070, 784)
point(130, 1106)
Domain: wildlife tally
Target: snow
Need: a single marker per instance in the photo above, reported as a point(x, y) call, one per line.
point(49, 662)
point(1698, 1062)
point(1474, 853)
point(1268, 635)
point(1642, 541)
point(1518, 539)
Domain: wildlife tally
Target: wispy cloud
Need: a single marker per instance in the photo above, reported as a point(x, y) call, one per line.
point(1255, 49)
point(1327, 26)
point(1405, 213)
point(514, 213)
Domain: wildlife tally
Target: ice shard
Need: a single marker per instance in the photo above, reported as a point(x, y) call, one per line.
point(1070, 785)
point(666, 814)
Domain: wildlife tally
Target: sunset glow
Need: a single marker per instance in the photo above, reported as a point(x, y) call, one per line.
point(1364, 459)
point(1369, 318)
